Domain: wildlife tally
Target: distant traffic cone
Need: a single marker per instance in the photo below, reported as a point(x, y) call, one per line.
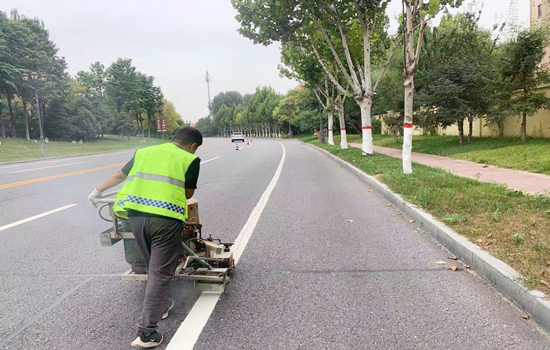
point(236, 147)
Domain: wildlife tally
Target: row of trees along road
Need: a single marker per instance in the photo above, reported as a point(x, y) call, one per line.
point(252, 114)
point(117, 99)
point(458, 71)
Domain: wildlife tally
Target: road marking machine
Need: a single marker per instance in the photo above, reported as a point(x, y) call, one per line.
point(208, 262)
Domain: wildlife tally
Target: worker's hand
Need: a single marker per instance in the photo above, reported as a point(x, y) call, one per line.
point(96, 194)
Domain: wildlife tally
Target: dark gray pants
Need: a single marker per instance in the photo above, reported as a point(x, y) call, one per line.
point(159, 240)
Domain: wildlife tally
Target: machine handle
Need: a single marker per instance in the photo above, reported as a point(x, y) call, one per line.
point(104, 199)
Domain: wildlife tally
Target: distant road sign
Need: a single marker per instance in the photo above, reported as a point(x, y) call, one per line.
point(161, 124)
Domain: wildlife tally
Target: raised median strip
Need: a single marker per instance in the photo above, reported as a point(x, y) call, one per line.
point(497, 272)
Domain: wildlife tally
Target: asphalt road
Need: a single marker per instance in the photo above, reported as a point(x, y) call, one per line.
point(308, 277)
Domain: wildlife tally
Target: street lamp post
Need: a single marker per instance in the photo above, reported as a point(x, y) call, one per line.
point(35, 79)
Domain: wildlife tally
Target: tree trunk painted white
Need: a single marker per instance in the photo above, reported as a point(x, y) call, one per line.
point(366, 103)
point(366, 121)
point(330, 125)
point(343, 137)
point(408, 126)
point(411, 63)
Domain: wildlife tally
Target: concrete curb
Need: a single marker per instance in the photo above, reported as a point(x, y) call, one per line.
point(68, 156)
point(501, 275)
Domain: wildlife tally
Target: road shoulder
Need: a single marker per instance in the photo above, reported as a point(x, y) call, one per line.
point(501, 275)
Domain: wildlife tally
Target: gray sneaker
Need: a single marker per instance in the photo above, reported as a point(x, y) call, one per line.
point(165, 315)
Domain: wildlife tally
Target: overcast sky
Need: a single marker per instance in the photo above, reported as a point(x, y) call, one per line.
point(175, 40)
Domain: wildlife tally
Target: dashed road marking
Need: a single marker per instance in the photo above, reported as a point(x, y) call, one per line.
point(32, 218)
point(208, 160)
point(45, 167)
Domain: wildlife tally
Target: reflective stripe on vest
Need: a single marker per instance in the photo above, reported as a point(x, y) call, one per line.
point(155, 177)
point(153, 203)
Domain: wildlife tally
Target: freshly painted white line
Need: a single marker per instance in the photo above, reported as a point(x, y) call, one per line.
point(46, 167)
point(17, 223)
point(208, 160)
point(191, 328)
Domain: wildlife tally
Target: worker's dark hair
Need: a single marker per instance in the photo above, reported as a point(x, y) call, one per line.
point(187, 135)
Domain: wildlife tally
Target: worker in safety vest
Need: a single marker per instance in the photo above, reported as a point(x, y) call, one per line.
point(160, 179)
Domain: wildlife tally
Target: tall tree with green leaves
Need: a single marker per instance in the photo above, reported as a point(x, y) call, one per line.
point(122, 93)
point(299, 63)
point(150, 99)
point(523, 74)
point(348, 30)
point(224, 118)
point(94, 81)
point(456, 73)
point(227, 98)
point(172, 117)
point(416, 16)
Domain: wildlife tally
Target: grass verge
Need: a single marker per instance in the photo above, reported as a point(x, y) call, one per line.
point(510, 225)
point(533, 155)
point(18, 149)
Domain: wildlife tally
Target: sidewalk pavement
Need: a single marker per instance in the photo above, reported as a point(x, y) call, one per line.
point(514, 179)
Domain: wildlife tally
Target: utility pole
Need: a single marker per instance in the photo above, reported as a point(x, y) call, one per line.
point(34, 81)
point(208, 80)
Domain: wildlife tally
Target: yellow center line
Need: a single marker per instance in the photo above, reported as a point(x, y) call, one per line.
point(46, 178)
point(58, 176)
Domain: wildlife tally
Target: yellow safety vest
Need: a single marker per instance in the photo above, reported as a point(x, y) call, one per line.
point(156, 183)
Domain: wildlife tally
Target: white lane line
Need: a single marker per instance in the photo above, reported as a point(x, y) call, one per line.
point(46, 167)
point(40, 162)
point(208, 160)
point(191, 328)
point(17, 223)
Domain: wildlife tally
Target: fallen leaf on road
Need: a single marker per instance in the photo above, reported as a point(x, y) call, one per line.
point(350, 220)
point(412, 221)
point(369, 189)
point(454, 268)
point(526, 317)
point(485, 166)
point(466, 266)
point(441, 262)
point(452, 257)
point(388, 205)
